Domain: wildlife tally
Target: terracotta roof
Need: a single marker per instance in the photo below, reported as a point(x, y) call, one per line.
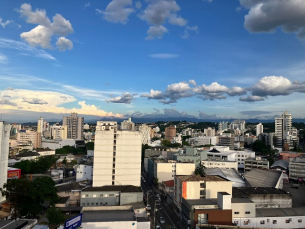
point(199, 178)
point(169, 183)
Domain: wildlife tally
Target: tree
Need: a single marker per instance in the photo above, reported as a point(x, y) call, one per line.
point(259, 146)
point(90, 146)
point(200, 171)
point(55, 217)
point(27, 197)
point(156, 180)
point(64, 161)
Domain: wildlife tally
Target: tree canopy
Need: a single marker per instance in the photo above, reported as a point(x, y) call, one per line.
point(71, 150)
point(41, 165)
point(55, 217)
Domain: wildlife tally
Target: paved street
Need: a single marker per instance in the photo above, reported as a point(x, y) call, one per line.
point(162, 209)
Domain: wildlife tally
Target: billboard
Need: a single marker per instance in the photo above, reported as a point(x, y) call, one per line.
point(75, 222)
point(13, 173)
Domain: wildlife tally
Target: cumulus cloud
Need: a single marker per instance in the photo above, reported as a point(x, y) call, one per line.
point(268, 15)
point(177, 91)
point(236, 91)
point(164, 55)
point(276, 85)
point(211, 92)
point(125, 98)
point(117, 11)
point(42, 34)
point(157, 13)
point(64, 43)
point(154, 95)
point(187, 29)
point(193, 82)
point(251, 99)
point(138, 5)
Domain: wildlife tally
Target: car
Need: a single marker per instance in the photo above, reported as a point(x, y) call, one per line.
point(161, 219)
point(158, 227)
point(148, 207)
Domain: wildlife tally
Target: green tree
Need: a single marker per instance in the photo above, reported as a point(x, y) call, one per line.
point(200, 170)
point(156, 180)
point(55, 217)
point(90, 146)
point(166, 143)
point(259, 146)
point(64, 161)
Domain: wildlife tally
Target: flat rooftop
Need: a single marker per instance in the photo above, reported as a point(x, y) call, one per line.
point(115, 188)
point(202, 202)
point(199, 178)
point(12, 224)
point(279, 212)
point(245, 192)
point(108, 216)
point(240, 200)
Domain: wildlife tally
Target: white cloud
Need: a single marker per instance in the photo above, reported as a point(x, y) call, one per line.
point(87, 4)
point(267, 15)
point(154, 95)
point(157, 13)
point(212, 91)
point(3, 59)
point(138, 5)
point(42, 34)
point(64, 43)
point(238, 8)
point(34, 101)
point(25, 49)
point(191, 28)
point(117, 11)
point(236, 91)
point(5, 23)
point(193, 82)
point(164, 55)
point(125, 98)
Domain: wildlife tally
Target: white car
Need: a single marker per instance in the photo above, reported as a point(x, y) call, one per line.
point(158, 227)
point(162, 220)
point(148, 207)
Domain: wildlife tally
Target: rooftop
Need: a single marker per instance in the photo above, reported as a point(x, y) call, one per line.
point(281, 163)
point(229, 174)
point(199, 178)
point(108, 216)
point(63, 200)
point(169, 183)
point(120, 188)
point(202, 201)
point(28, 154)
point(278, 212)
point(70, 186)
point(263, 177)
point(12, 224)
point(240, 200)
point(246, 192)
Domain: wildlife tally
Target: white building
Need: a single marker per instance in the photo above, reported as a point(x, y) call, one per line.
point(4, 151)
point(210, 132)
point(59, 132)
point(259, 129)
point(205, 140)
point(283, 126)
point(145, 132)
point(86, 127)
point(40, 125)
point(75, 126)
point(220, 164)
point(127, 125)
point(84, 172)
point(117, 156)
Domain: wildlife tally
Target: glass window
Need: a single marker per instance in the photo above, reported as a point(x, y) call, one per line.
point(274, 221)
point(247, 212)
point(236, 213)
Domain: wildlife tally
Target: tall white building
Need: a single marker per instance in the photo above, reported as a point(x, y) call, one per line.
point(40, 126)
point(75, 126)
point(146, 132)
point(210, 132)
point(4, 151)
point(259, 129)
point(127, 125)
point(117, 156)
point(59, 132)
point(283, 127)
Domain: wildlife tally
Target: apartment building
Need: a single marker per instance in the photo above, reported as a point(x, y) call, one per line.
point(255, 162)
point(75, 126)
point(297, 168)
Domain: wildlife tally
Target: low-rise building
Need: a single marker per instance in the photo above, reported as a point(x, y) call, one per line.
point(84, 171)
point(228, 174)
point(257, 162)
point(220, 164)
point(297, 168)
point(264, 178)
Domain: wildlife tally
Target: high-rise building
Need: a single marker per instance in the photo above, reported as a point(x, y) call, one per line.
point(59, 132)
point(209, 132)
point(29, 137)
point(40, 126)
point(259, 129)
point(75, 126)
point(117, 156)
point(146, 133)
point(170, 133)
point(127, 125)
point(283, 127)
point(4, 152)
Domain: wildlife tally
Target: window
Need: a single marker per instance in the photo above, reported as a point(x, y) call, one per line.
point(299, 220)
point(96, 203)
point(274, 221)
point(87, 204)
point(236, 213)
point(111, 195)
point(247, 212)
point(101, 195)
point(94, 195)
point(287, 220)
point(87, 195)
point(92, 204)
point(262, 221)
point(202, 192)
point(83, 196)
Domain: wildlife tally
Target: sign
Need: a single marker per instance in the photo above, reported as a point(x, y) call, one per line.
point(75, 222)
point(13, 173)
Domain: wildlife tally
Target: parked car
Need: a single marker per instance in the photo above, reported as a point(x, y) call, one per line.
point(148, 207)
point(162, 220)
point(158, 227)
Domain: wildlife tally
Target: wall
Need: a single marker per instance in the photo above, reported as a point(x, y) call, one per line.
point(131, 197)
point(221, 164)
point(74, 196)
point(272, 200)
point(221, 217)
point(185, 168)
point(95, 198)
point(242, 208)
point(46, 153)
point(269, 222)
point(110, 225)
point(84, 172)
point(192, 190)
point(165, 171)
point(212, 187)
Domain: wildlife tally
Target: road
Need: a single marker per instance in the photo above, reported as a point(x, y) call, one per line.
point(171, 219)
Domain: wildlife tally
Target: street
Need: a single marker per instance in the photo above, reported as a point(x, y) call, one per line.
point(162, 208)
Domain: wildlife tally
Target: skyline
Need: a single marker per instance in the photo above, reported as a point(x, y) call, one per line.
point(121, 58)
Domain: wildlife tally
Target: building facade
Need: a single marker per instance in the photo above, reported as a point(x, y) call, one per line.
point(117, 156)
point(259, 129)
point(283, 126)
point(75, 126)
point(170, 133)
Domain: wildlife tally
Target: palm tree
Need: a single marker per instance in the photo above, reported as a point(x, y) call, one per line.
point(55, 217)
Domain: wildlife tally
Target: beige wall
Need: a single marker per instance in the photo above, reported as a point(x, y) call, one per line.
point(193, 190)
point(185, 168)
point(212, 187)
point(242, 208)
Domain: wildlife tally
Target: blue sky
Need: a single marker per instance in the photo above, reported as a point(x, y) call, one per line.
point(207, 59)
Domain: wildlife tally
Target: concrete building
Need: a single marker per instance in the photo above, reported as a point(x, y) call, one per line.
point(297, 168)
point(227, 141)
point(29, 137)
point(209, 132)
point(259, 129)
point(84, 171)
point(238, 124)
point(257, 162)
point(170, 133)
point(40, 126)
point(117, 156)
point(222, 126)
point(267, 138)
point(205, 140)
point(4, 151)
point(220, 164)
point(86, 127)
point(146, 133)
point(283, 126)
point(75, 126)
point(127, 125)
point(197, 187)
point(59, 132)
point(264, 178)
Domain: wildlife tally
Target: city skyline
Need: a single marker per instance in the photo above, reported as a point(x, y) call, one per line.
point(122, 58)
